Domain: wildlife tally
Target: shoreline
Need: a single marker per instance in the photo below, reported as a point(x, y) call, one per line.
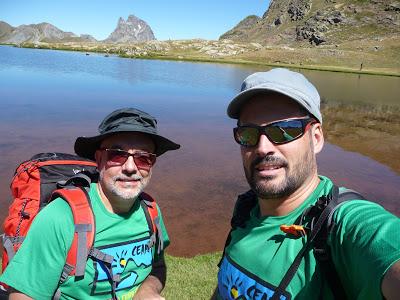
point(187, 57)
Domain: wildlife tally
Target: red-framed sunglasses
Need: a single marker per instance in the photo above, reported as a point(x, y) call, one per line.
point(117, 157)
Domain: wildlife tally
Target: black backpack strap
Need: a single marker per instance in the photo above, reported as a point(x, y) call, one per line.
point(325, 214)
point(322, 251)
point(241, 213)
point(317, 238)
point(82, 179)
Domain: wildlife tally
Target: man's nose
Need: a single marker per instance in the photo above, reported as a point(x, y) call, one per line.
point(129, 166)
point(264, 146)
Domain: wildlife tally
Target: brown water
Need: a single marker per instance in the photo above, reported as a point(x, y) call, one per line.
point(49, 98)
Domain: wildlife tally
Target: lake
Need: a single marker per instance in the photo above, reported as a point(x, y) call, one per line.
point(48, 98)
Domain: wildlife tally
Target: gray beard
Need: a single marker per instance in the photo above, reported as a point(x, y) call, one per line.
point(130, 195)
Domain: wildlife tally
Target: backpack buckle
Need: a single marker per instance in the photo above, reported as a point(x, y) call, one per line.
point(321, 254)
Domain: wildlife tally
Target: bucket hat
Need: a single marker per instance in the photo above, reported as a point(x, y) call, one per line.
point(124, 120)
point(282, 81)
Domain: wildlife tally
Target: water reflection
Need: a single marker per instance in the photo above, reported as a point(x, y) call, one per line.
point(353, 88)
point(48, 98)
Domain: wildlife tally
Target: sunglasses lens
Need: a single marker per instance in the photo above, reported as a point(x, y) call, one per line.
point(291, 130)
point(116, 156)
point(144, 161)
point(247, 136)
point(285, 131)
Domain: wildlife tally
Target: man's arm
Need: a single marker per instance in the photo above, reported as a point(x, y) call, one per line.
point(153, 285)
point(16, 295)
point(391, 282)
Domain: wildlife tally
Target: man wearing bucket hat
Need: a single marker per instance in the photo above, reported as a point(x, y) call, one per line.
point(125, 152)
point(289, 240)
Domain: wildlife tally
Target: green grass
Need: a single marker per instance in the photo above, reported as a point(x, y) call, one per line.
point(191, 278)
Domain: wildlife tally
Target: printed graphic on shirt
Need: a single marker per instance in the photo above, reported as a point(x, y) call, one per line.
point(129, 259)
point(235, 283)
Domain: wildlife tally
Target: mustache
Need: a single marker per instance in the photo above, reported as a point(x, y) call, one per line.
point(125, 177)
point(269, 159)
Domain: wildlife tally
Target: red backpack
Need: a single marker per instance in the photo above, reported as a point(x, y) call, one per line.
point(47, 176)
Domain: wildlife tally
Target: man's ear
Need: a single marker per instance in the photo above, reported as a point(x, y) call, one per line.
point(317, 137)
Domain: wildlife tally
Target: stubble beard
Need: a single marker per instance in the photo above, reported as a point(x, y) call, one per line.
point(295, 176)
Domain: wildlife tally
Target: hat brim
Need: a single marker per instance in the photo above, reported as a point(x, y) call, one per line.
point(236, 104)
point(87, 146)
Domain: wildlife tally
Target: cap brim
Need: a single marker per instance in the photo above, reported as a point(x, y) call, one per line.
point(236, 104)
point(87, 146)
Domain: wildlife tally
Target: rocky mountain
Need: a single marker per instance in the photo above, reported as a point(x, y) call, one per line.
point(320, 22)
point(5, 29)
point(132, 30)
point(35, 33)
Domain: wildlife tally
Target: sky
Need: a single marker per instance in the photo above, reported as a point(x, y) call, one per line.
point(169, 19)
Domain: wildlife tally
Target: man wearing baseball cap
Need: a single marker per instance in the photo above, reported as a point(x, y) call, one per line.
point(125, 151)
point(294, 235)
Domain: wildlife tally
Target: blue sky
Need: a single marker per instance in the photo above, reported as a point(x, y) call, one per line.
point(169, 19)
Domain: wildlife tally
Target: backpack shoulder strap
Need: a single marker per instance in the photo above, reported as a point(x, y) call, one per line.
point(153, 221)
point(243, 206)
point(311, 237)
point(241, 214)
point(322, 212)
point(84, 231)
point(321, 248)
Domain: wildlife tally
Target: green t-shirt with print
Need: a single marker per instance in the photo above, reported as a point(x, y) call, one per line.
point(364, 244)
point(35, 269)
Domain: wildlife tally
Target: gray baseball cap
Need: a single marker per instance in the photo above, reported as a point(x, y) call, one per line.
point(124, 120)
point(279, 80)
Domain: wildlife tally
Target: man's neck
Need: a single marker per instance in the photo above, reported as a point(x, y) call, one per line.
point(115, 206)
point(283, 206)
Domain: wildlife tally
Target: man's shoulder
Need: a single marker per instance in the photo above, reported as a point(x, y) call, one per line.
point(362, 207)
point(354, 216)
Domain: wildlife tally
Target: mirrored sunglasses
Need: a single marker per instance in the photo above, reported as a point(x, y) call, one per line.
point(280, 132)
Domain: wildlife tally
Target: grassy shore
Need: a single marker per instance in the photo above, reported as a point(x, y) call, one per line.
point(346, 58)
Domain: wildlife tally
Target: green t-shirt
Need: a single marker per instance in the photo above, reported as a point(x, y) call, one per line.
point(365, 242)
point(36, 267)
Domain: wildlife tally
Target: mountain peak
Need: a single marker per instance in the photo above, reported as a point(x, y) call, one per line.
point(132, 30)
point(132, 18)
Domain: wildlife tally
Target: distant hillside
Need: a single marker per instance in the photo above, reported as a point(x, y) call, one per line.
point(132, 30)
point(34, 33)
point(320, 21)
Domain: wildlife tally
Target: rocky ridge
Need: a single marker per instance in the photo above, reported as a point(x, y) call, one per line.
point(320, 22)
